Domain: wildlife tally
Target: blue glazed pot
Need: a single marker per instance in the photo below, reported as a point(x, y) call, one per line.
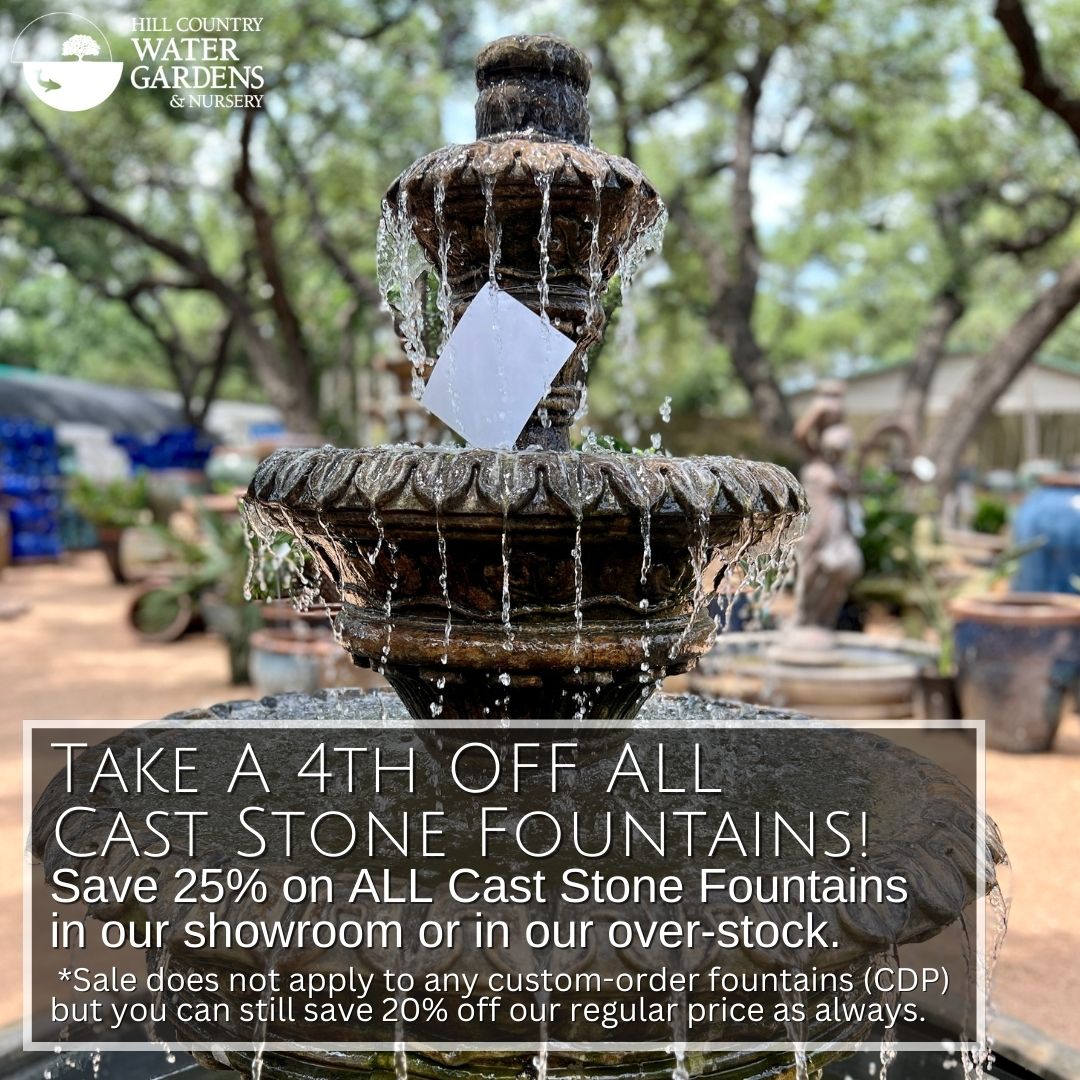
point(1017, 657)
point(1050, 514)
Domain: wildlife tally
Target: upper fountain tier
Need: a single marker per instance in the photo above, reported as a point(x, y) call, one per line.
point(531, 206)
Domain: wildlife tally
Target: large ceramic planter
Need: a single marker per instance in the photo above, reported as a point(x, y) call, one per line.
point(1018, 656)
point(1050, 515)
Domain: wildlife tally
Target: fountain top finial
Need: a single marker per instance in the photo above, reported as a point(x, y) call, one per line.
point(541, 54)
point(531, 207)
point(533, 82)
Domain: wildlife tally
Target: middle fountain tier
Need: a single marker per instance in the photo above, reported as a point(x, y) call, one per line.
point(538, 581)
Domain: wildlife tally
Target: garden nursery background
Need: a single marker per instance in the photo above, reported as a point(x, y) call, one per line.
point(870, 274)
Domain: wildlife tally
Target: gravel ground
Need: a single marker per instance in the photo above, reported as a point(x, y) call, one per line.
point(72, 655)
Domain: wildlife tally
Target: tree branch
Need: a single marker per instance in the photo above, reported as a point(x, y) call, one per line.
point(301, 366)
point(354, 33)
point(97, 207)
point(624, 121)
point(947, 310)
point(364, 289)
point(733, 277)
point(1035, 79)
point(1038, 236)
point(997, 370)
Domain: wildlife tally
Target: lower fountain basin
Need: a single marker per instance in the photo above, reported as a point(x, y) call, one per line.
point(719, 1065)
point(527, 584)
point(922, 825)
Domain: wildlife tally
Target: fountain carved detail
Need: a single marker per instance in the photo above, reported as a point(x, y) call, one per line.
point(540, 581)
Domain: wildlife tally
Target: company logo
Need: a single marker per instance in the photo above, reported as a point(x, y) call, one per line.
point(66, 61)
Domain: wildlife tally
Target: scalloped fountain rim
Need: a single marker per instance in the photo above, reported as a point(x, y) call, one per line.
point(548, 483)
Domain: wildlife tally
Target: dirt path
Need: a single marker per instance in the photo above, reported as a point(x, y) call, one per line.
point(72, 655)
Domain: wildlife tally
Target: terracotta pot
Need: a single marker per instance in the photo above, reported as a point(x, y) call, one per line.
point(283, 614)
point(110, 540)
point(176, 615)
point(1018, 655)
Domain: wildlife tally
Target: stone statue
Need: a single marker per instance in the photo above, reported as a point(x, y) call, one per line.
point(829, 558)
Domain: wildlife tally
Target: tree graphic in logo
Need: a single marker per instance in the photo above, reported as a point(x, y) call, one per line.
point(80, 45)
point(45, 49)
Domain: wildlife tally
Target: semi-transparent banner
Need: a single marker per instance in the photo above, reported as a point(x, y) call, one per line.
point(489, 887)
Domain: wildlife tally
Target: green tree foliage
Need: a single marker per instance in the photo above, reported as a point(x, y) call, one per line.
point(850, 182)
point(211, 238)
point(901, 194)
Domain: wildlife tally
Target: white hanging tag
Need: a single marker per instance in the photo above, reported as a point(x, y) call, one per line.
point(495, 369)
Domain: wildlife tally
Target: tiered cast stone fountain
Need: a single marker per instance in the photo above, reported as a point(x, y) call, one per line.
point(541, 582)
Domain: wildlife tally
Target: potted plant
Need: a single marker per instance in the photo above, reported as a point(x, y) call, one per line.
point(937, 691)
point(111, 508)
point(945, 691)
point(936, 697)
point(221, 576)
point(166, 608)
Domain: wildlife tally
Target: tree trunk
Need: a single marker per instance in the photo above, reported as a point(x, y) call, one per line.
point(974, 402)
point(732, 326)
point(733, 318)
point(947, 310)
point(291, 396)
point(288, 371)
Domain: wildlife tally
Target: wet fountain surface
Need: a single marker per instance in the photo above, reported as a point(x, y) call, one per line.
point(928, 1065)
point(524, 584)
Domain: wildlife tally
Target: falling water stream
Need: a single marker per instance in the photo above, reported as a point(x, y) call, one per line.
point(401, 265)
point(442, 301)
point(543, 182)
